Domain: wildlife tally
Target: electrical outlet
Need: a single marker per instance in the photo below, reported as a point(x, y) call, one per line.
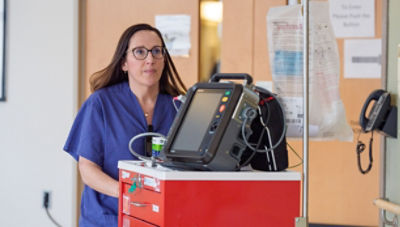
point(46, 199)
point(46, 205)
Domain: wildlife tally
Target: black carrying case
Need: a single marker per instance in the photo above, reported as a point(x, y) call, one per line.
point(273, 117)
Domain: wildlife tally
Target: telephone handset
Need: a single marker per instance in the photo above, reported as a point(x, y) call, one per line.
point(378, 113)
point(375, 121)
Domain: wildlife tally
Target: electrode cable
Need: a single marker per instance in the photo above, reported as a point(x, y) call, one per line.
point(142, 157)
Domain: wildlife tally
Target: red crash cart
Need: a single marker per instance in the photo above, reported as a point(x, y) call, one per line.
point(157, 196)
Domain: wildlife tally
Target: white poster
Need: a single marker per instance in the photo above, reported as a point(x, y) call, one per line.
point(353, 18)
point(362, 58)
point(176, 33)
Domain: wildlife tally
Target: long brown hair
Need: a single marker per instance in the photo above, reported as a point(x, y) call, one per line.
point(170, 82)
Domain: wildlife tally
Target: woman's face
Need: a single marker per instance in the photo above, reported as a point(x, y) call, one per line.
point(144, 72)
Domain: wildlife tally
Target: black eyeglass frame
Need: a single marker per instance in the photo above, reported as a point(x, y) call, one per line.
point(163, 52)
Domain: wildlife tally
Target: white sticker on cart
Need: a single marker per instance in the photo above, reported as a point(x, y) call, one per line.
point(157, 187)
point(126, 222)
point(156, 208)
point(125, 174)
point(125, 204)
point(151, 182)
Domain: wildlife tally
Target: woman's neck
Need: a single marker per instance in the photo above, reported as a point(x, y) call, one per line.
point(147, 98)
point(145, 94)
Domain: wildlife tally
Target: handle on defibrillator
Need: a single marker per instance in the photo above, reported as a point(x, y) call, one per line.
point(232, 76)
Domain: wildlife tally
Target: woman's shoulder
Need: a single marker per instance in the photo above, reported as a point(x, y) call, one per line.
point(104, 95)
point(118, 87)
point(109, 91)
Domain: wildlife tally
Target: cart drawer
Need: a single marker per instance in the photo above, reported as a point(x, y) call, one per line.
point(142, 203)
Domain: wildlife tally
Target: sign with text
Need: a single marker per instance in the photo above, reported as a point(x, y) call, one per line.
point(355, 18)
point(175, 29)
point(362, 58)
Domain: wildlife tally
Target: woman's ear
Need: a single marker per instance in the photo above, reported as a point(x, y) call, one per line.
point(124, 66)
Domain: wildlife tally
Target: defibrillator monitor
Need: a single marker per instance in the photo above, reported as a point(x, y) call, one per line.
point(201, 112)
point(207, 132)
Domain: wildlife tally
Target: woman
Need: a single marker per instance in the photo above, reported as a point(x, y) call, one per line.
point(132, 95)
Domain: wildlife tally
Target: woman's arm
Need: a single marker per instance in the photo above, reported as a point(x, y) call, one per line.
point(94, 177)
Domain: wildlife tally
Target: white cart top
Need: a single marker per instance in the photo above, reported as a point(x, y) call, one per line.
point(163, 173)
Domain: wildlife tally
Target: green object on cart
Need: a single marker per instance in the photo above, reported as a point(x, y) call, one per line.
point(132, 188)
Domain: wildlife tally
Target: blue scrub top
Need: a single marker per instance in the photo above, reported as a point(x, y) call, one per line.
point(106, 122)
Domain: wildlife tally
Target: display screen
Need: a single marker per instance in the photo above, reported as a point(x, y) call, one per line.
point(198, 117)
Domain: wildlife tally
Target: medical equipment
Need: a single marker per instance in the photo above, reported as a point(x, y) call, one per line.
point(213, 128)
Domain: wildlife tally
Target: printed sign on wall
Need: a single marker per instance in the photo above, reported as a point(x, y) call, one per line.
point(175, 30)
point(355, 18)
point(362, 58)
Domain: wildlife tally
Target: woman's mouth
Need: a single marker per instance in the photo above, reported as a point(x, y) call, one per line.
point(150, 71)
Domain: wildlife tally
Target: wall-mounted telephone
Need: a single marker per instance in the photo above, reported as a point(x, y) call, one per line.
point(382, 117)
point(378, 113)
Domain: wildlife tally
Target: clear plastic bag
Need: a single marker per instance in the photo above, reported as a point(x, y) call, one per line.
point(327, 118)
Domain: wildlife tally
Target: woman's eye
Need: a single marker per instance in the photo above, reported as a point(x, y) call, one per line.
point(140, 52)
point(156, 51)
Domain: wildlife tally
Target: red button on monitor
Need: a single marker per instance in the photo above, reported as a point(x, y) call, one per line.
point(221, 108)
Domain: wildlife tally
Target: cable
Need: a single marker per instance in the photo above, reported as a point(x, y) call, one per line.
point(298, 164)
point(180, 98)
point(254, 152)
point(260, 113)
point(142, 157)
point(254, 148)
point(52, 219)
point(173, 102)
point(260, 89)
point(271, 151)
point(46, 200)
point(360, 148)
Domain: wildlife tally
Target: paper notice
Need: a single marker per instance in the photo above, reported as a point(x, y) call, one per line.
point(362, 58)
point(355, 18)
point(176, 33)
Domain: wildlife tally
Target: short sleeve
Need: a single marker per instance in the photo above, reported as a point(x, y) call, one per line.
point(86, 136)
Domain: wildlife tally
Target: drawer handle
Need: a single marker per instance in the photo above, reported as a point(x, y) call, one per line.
point(137, 204)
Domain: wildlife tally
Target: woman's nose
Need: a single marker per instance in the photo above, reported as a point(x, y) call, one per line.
point(149, 58)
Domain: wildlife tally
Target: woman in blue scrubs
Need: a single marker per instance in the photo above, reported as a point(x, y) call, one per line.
point(132, 95)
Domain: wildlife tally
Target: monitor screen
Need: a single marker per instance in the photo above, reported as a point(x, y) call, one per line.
point(197, 120)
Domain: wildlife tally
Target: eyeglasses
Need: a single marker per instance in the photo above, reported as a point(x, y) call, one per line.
point(141, 53)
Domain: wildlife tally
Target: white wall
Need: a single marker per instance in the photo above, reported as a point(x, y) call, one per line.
point(41, 88)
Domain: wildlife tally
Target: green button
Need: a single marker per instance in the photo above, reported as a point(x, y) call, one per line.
point(227, 92)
